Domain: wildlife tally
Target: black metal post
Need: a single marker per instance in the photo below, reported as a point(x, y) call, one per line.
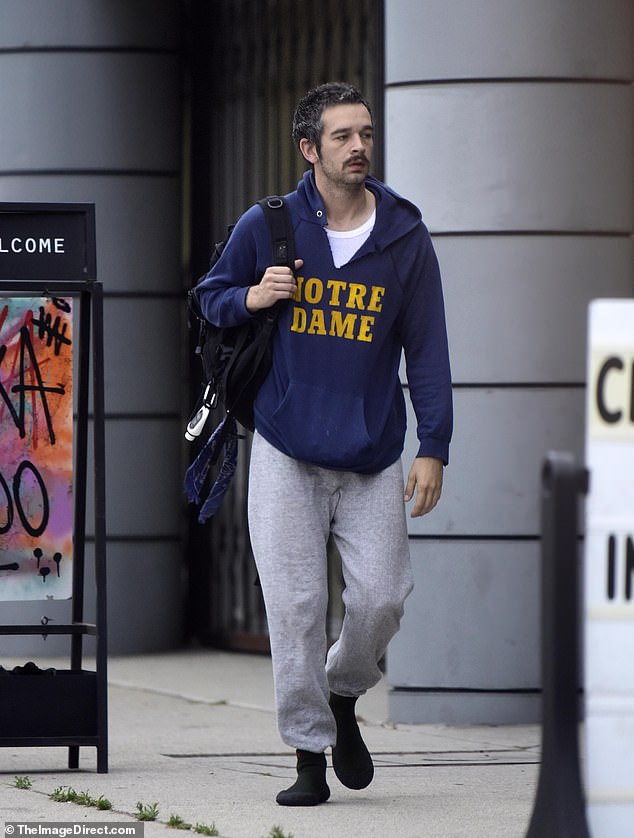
point(559, 810)
point(81, 471)
point(100, 527)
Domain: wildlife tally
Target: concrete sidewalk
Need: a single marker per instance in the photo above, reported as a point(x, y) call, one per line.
point(194, 732)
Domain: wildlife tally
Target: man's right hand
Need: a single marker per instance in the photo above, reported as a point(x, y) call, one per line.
point(278, 283)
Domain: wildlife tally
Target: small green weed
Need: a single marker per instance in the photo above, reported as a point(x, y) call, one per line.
point(23, 783)
point(82, 798)
point(176, 822)
point(102, 803)
point(203, 829)
point(146, 813)
point(276, 832)
point(63, 795)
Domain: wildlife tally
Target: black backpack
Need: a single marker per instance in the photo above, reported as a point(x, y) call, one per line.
point(237, 359)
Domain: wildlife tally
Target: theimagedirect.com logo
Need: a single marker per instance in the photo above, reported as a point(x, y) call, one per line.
point(66, 830)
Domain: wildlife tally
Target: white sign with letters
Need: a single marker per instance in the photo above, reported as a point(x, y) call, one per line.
point(609, 570)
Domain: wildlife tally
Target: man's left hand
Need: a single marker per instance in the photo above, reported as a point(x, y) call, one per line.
point(425, 478)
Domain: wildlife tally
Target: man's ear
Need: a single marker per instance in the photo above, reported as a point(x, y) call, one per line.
point(309, 151)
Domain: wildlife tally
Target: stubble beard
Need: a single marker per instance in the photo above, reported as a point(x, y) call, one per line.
point(346, 180)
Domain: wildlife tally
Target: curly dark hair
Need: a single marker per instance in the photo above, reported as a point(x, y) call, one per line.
point(307, 119)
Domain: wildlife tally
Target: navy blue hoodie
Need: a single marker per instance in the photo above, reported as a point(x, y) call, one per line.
point(333, 396)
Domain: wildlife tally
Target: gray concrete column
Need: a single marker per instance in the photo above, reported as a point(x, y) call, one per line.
point(511, 125)
point(90, 104)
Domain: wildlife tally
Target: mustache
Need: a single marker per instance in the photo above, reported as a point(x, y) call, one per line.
point(358, 158)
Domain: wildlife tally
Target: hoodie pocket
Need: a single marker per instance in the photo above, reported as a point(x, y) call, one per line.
point(323, 427)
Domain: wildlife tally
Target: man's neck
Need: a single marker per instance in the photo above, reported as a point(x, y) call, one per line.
point(348, 208)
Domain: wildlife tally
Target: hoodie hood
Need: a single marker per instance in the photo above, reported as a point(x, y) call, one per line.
point(395, 216)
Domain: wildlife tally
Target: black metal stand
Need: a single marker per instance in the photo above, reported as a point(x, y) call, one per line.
point(76, 697)
point(559, 810)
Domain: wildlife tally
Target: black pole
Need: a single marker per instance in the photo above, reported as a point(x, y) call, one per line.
point(100, 526)
point(559, 810)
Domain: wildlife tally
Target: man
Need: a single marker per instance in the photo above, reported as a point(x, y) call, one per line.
point(330, 425)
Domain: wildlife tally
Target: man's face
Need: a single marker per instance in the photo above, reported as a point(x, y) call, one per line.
point(347, 140)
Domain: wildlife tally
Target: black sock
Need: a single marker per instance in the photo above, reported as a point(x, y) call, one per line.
point(310, 788)
point(351, 759)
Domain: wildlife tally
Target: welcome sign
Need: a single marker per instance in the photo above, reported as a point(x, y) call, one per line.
point(36, 448)
point(47, 241)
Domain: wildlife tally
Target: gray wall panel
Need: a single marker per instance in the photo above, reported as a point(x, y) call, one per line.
point(144, 481)
point(145, 611)
point(144, 478)
point(119, 111)
point(492, 484)
point(500, 157)
point(137, 218)
point(455, 707)
point(31, 24)
point(434, 39)
point(517, 306)
point(143, 377)
point(461, 588)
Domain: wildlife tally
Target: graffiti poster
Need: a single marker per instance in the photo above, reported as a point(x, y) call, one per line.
point(36, 448)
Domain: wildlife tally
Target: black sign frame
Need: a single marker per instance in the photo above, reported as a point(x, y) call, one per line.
point(81, 694)
point(47, 241)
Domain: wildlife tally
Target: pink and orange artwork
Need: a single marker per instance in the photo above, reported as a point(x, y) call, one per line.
point(36, 448)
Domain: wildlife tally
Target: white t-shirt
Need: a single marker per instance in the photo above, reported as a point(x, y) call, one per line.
point(345, 243)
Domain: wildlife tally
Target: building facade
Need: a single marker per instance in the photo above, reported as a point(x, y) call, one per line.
point(510, 124)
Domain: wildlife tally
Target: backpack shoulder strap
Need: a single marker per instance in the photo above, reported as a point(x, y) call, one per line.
point(280, 226)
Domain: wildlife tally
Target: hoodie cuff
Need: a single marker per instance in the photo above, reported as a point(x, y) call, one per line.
point(247, 314)
point(431, 447)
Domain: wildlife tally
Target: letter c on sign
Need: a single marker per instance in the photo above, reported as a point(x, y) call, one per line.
point(609, 416)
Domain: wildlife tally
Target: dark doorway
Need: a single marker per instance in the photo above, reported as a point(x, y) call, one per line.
point(249, 62)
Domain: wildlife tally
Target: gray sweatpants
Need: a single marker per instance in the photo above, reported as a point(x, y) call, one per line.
point(293, 507)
